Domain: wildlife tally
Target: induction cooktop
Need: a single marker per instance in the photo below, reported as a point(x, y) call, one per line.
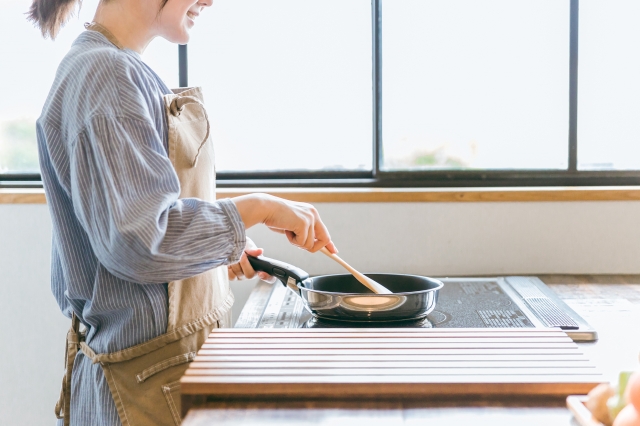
point(500, 302)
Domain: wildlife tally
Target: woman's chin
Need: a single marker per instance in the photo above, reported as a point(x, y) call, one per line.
point(178, 37)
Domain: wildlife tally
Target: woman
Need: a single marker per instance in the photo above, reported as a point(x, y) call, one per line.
point(140, 245)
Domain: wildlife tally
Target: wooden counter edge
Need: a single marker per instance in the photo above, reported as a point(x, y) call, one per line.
point(397, 195)
point(234, 390)
point(196, 395)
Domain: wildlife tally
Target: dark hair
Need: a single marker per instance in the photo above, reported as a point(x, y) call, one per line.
point(50, 15)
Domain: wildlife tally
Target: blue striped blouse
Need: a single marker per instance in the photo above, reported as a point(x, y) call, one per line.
point(120, 230)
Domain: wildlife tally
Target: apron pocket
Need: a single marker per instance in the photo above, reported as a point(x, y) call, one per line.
point(172, 394)
point(163, 365)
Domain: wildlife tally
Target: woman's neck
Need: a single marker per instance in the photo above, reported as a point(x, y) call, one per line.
point(129, 21)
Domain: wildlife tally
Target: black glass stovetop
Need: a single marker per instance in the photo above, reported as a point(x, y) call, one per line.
point(502, 302)
point(492, 308)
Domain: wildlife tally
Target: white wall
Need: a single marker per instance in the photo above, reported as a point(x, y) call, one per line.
point(438, 239)
point(447, 239)
point(33, 331)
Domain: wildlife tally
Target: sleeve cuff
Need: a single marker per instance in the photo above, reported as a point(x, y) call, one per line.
point(237, 225)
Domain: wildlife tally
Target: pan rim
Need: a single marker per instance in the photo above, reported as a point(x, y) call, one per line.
point(439, 283)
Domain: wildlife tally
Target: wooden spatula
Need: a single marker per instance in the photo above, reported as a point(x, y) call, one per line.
point(366, 281)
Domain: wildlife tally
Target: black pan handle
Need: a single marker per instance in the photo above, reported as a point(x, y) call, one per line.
point(289, 275)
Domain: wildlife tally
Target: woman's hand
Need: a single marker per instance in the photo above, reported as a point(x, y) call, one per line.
point(300, 222)
point(243, 269)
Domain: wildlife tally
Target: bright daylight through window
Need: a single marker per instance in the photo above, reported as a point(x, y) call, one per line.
point(609, 87)
point(475, 84)
point(287, 83)
point(461, 85)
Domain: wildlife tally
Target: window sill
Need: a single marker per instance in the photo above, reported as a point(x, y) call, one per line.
point(400, 195)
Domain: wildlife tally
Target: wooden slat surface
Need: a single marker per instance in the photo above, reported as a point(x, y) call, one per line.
point(366, 357)
point(475, 343)
point(382, 332)
point(394, 351)
point(468, 363)
point(334, 383)
point(388, 363)
point(356, 370)
point(340, 340)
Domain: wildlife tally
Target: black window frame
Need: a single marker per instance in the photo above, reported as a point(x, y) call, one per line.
point(377, 177)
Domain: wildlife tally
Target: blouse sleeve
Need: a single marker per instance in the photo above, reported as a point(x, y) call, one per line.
point(125, 194)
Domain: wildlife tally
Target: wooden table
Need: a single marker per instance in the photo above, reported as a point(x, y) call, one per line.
point(610, 303)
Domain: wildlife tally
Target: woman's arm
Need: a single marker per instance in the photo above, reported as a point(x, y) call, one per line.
point(300, 222)
point(125, 195)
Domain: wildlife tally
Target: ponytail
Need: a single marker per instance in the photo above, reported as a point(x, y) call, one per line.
point(50, 15)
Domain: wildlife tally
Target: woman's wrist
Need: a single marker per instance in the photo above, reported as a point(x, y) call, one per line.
point(253, 208)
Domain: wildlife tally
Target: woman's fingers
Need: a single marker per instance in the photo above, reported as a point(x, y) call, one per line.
point(243, 268)
point(235, 272)
point(311, 238)
point(266, 277)
point(247, 270)
point(300, 239)
point(245, 265)
point(332, 247)
point(254, 251)
point(300, 222)
point(315, 236)
point(322, 237)
point(303, 235)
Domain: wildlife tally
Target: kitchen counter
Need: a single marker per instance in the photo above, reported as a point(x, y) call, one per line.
point(610, 303)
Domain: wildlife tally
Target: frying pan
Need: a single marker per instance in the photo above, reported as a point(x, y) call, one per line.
point(341, 297)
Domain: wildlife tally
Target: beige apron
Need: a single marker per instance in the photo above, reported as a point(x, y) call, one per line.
point(144, 379)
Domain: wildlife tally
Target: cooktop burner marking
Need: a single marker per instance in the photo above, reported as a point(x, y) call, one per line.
point(504, 319)
point(480, 287)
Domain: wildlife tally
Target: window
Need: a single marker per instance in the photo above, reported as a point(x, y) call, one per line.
point(609, 86)
point(471, 84)
point(385, 92)
point(287, 83)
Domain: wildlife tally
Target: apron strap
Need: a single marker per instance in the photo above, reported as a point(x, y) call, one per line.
point(176, 107)
point(94, 26)
point(74, 339)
